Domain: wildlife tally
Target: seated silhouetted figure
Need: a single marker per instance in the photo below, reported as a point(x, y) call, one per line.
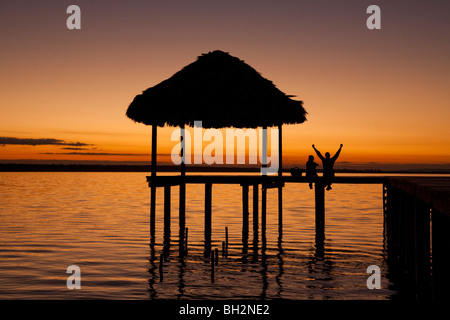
point(328, 165)
point(311, 170)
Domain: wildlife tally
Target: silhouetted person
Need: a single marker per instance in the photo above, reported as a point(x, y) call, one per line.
point(328, 164)
point(296, 172)
point(311, 170)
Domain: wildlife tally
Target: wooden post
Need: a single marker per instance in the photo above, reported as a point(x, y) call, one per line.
point(263, 212)
point(422, 245)
point(244, 218)
point(182, 196)
point(186, 240)
point(255, 216)
point(226, 241)
point(212, 266)
point(153, 187)
point(167, 214)
point(161, 267)
point(154, 149)
point(320, 206)
point(280, 189)
point(208, 204)
point(152, 213)
point(410, 258)
point(264, 151)
point(441, 257)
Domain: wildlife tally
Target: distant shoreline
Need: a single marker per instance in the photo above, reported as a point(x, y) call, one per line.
point(15, 167)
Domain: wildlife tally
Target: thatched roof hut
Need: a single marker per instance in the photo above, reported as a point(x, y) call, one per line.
point(221, 91)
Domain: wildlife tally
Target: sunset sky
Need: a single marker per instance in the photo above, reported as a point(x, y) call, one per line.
point(384, 94)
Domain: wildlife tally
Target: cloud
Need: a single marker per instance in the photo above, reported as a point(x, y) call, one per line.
point(98, 153)
point(38, 142)
point(75, 148)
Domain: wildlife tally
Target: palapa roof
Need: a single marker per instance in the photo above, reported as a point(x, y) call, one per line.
point(221, 91)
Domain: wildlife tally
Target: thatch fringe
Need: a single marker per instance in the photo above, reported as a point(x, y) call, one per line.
point(221, 91)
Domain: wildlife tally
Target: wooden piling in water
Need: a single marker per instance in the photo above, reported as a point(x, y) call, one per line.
point(223, 249)
point(186, 240)
point(319, 189)
point(441, 257)
point(226, 241)
point(263, 211)
point(152, 214)
point(244, 218)
point(422, 247)
point(208, 205)
point(166, 213)
point(212, 266)
point(161, 267)
point(280, 213)
point(255, 216)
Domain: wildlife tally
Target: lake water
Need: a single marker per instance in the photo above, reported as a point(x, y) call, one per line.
point(100, 222)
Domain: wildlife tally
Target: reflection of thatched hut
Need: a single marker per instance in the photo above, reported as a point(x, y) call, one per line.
point(219, 90)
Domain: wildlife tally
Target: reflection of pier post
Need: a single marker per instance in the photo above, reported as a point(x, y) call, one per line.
point(320, 207)
point(263, 212)
point(244, 218)
point(208, 204)
point(255, 219)
point(166, 215)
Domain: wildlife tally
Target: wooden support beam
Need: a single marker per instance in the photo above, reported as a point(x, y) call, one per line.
point(263, 212)
point(280, 150)
point(167, 214)
point(320, 206)
point(152, 214)
point(280, 213)
point(153, 188)
point(154, 149)
point(244, 217)
point(208, 205)
point(255, 215)
point(182, 196)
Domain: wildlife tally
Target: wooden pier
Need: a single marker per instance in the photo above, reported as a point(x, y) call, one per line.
point(417, 226)
point(416, 221)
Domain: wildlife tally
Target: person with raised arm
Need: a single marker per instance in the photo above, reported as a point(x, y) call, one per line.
point(328, 165)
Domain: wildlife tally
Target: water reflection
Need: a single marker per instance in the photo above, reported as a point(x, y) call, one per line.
point(319, 265)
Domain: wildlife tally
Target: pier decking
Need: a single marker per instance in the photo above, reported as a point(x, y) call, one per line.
point(416, 220)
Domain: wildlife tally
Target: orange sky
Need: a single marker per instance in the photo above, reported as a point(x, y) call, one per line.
point(383, 93)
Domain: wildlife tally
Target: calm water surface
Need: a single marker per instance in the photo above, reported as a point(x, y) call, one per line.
point(100, 222)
